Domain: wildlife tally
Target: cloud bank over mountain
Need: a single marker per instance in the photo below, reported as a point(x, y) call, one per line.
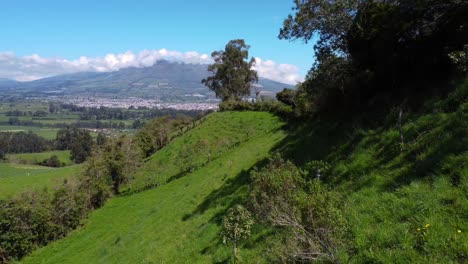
point(33, 67)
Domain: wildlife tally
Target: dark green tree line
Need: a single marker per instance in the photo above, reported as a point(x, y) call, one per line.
point(78, 141)
point(379, 54)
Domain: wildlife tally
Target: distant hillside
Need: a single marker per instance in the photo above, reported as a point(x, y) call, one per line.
point(166, 81)
point(8, 83)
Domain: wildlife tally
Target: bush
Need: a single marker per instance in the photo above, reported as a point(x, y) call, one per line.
point(274, 107)
point(31, 220)
point(53, 161)
point(78, 141)
point(158, 132)
point(306, 209)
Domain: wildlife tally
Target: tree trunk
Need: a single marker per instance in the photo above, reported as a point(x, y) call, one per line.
point(400, 126)
point(234, 251)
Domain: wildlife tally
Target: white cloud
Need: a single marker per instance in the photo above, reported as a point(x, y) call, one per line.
point(32, 67)
point(285, 73)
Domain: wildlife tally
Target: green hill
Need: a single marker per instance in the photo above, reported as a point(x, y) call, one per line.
point(403, 202)
point(179, 221)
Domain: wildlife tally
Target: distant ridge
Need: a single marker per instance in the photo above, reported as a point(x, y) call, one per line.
point(8, 82)
point(166, 81)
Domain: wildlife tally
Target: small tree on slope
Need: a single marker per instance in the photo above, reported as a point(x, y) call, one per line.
point(236, 226)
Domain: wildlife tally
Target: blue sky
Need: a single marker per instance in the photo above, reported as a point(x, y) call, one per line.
point(71, 29)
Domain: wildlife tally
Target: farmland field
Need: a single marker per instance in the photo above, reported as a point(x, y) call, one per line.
point(47, 133)
point(15, 178)
point(33, 158)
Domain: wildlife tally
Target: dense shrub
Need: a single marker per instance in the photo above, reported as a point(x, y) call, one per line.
point(34, 219)
point(78, 141)
point(53, 161)
point(274, 107)
point(309, 213)
point(158, 132)
point(23, 142)
point(372, 56)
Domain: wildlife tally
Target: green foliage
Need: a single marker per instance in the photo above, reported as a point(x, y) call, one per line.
point(317, 169)
point(237, 224)
point(329, 20)
point(24, 224)
point(158, 132)
point(122, 159)
point(34, 219)
point(286, 96)
point(372, 56)
point(282, 197)
point(78, 141)
point(273, 107)
point(460, 59)
point(110, 167)
point(22, 142)
point(101, 139)
point(53, 161)
point(232, 73)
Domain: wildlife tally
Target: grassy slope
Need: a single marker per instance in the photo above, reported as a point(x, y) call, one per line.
point(15, 178)
point(218, 133)
point(391, 192)
point(177, 222)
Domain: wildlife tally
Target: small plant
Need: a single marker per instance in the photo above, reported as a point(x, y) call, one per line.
point(317, 169)
point(236, 226)
point(422, 234)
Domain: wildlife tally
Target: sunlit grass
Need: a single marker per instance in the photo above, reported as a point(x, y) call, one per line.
point(179, 221)
point(16, 178)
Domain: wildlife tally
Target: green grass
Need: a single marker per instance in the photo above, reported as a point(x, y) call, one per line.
point(47, 133)
point(217, 134)
point(177, 222)
point(403, 203)
point(34, 158)
point(390, 190)
point(16, 178)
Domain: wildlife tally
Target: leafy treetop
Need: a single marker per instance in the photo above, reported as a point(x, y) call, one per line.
point(232, 73)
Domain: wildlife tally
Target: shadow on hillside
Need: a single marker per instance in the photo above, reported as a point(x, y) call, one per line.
point(313, 141)
point(362, 151)
point(426, 156)
point(233, 191)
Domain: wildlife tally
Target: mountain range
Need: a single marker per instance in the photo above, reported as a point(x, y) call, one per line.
point(166, 81)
